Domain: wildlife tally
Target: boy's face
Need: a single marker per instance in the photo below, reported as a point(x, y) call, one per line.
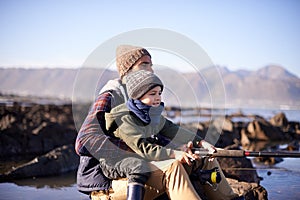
point(152, 97)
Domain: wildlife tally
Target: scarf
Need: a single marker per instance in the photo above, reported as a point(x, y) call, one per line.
point(148, 114)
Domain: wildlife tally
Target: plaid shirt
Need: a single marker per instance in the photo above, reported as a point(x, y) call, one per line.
point(92, 139)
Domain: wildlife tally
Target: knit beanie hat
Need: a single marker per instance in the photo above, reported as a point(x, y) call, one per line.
point(140, 82)
point(127, 56)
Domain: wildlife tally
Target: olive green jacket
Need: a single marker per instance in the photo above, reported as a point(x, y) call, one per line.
point(125, 125)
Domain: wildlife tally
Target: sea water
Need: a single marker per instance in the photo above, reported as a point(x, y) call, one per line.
point(47, 188)
point(282, 181)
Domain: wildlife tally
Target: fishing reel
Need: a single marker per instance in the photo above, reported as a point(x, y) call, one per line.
point(211, 176)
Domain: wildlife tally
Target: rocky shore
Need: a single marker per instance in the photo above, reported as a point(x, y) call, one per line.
point(46, 133)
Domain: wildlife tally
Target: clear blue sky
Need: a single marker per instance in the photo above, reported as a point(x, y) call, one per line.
point(246, 34)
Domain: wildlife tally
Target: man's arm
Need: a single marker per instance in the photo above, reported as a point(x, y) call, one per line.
point(91, 137)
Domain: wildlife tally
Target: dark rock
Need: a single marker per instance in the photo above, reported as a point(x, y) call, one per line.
point(245, 142)
point(250, 191)
point(268, 160)
point(35, 129)
point(259, 193)
point(58, 161)
point(240, 169)
point(263, 130)
point(279, 120)
point(293, 129)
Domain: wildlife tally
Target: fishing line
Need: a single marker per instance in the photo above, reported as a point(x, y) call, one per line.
point(253, 169)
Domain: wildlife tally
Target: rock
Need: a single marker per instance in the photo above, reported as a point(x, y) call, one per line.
point(250, 191)
point(293, 129)
point(293, 146)
point(279, 120)
point(58, 161)
point(239, 168)
point(221, 132)
point(244, 139)
point(263, 130)
point(35, 129)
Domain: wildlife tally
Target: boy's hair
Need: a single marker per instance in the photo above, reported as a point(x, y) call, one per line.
point(140, 82)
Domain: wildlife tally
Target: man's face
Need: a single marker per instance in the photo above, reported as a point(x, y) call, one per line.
point(144, 63)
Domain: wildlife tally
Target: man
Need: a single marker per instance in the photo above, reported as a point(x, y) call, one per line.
point(92, 142)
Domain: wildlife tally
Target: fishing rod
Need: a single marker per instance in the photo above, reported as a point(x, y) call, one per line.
point(212, 177)
point(243, 153)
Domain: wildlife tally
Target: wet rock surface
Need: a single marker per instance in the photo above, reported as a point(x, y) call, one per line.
point(58, 161)
point(35, 129)
point(36, 140)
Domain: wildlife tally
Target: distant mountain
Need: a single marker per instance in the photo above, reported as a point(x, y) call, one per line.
point(276, 73)
point(269, 87)
point(53, 82)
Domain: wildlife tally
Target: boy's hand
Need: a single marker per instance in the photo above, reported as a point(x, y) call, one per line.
point(187, 148)
point(207, 146)
point(184, 157)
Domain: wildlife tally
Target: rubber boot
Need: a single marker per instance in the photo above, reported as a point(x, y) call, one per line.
point(135, 192)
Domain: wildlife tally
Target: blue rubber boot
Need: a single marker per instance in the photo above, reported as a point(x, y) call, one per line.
point(135, 192)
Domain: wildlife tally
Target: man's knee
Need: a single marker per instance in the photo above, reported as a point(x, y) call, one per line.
point(137, 170)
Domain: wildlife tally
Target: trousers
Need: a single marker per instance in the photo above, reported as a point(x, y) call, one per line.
point(166, 176)
point(172, 177)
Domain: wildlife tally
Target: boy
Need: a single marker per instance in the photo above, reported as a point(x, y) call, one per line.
point(139, 124)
